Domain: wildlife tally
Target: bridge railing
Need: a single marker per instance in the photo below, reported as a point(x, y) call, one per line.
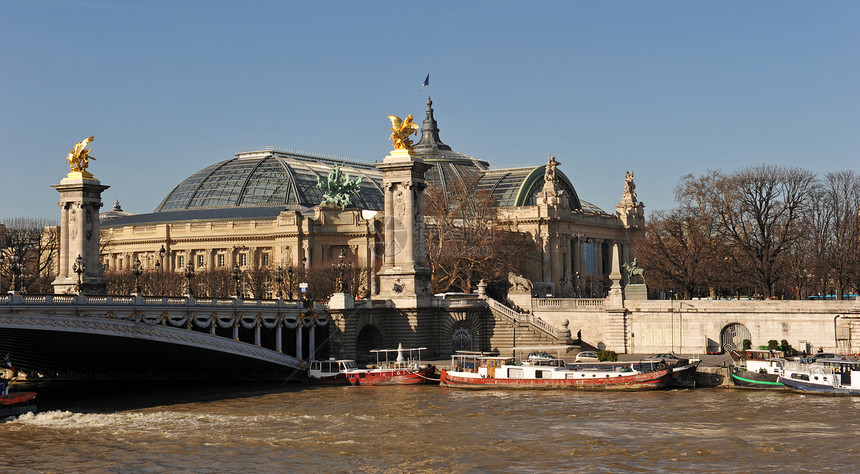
point(117, 300)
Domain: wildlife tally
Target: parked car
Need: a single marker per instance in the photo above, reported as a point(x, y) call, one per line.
point(823, 357)
point(587, 356)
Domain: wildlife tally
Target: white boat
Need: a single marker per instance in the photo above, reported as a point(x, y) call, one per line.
point(759, 369)
point(332, 371)
point(478, 370)
point(829, 377)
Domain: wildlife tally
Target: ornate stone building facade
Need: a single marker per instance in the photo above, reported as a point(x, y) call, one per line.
point(262, 208)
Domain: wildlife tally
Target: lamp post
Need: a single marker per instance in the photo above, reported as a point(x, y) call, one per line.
point(237, 275)
point(290, 282)
point(15, 270)
point(79, 267)
point(341, 286)
point(2, 262)
point(136, 271)
point(159, 265)
point(279, 279)
point(672, 316)
point(189, 274)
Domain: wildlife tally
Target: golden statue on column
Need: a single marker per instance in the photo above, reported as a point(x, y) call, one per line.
point(400, 132)
point(79, 158)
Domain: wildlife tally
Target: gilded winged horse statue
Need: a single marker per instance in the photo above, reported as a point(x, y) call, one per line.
point(400, 131)
point(79, 158)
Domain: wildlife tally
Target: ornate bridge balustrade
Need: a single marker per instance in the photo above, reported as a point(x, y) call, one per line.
point(44, 331)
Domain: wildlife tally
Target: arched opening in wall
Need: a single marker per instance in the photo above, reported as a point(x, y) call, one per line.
point(461, 339)
point(732, 337)
point(370, 337)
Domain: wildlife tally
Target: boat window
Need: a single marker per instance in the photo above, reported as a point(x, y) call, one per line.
point(315, 366)
point(515, 373)
point(543, 374)
point(569, 376)
point(350, 364)
point(797, 376)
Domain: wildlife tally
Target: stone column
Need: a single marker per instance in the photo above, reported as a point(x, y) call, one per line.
point(388, 255)
point(598, 259)
point(409, 224)
point(403, 278)
point(80, 201)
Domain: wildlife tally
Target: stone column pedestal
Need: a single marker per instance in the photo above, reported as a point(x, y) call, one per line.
point(80, 201)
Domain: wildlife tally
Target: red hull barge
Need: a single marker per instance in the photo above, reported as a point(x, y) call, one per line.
point(474, 370)
point(406, 369)
point(393, 376)
point(647, 381)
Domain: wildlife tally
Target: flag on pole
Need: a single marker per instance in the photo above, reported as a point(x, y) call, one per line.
point(9, 362)
point(426, 81)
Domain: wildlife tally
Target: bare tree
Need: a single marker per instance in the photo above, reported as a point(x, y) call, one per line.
point(33, 244)
point(762, 208)
point(840, 228)
point(467, 241)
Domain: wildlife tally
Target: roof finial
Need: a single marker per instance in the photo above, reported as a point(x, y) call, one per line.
point(430, 133)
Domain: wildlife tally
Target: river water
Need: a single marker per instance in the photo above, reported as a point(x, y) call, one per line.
point(300, 428)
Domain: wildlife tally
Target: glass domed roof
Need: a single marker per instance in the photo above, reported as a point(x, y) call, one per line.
point(270, 177)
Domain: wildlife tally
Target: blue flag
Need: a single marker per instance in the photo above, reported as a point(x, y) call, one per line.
point(9, 362)
point(426, 81)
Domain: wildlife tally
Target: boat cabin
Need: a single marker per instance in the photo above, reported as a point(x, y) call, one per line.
point(331, 367)
point(400, 358)
point(838, 374)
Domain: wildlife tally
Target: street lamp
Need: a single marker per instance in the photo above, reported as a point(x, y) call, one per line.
point(279, 279)
point(237, 275)
point(672, 316)
point(341, 286)
point(15, 269)
point(79, 267)
point(290, 282)
point(2, 262)
point(189, 274)
point(136, 271)
point(159, 265)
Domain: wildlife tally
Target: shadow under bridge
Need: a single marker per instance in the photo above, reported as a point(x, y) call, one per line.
point(136, 338)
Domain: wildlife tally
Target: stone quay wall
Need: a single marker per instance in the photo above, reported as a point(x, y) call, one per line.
point(699, 326)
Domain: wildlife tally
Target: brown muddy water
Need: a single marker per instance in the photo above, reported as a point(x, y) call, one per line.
point(298, 428)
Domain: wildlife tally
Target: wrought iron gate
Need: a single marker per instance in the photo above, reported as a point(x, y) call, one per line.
point(733, 336)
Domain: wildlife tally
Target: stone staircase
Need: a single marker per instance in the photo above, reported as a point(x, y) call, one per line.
point(519, 329)
point(616, 331)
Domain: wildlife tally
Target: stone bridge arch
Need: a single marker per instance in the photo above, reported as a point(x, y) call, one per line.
point(369, 334)
point(462, 330)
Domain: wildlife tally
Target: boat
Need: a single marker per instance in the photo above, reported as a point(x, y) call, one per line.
point(402, 370)
point(683, 369)
point(827, 377)
point(331, 372)
point(479, 370)
point(757, 369)
point(15, 403)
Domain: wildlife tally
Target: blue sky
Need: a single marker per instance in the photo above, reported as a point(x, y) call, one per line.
point(661, 88)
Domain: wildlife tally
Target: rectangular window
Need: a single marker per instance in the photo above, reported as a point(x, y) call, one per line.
point(264, 260)
point(515, 373)
point(180, 261)
point(243, 259)
point(220, 259)
point(200, 262)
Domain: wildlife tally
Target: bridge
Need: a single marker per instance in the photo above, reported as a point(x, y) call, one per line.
point(158, 338)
